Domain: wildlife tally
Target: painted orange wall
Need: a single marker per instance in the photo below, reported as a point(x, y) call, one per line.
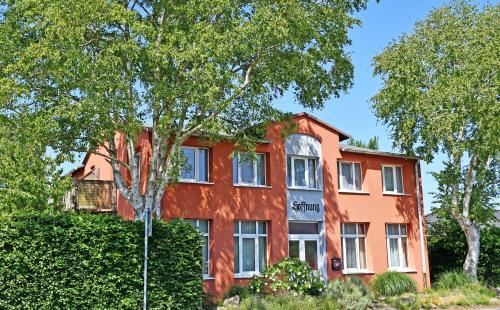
point(223, 203)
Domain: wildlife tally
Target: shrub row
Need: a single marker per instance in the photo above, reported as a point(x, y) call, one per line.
point(78, 261)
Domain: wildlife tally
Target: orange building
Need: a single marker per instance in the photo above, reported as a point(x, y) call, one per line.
point(348, 211)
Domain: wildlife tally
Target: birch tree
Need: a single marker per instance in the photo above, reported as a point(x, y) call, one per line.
point(440, 96)
point(92, 68)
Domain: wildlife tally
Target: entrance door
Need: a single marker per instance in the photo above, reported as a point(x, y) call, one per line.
point(303, 242)
point(305, 248)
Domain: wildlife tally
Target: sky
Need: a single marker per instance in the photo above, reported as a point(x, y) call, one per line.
point(382, 23)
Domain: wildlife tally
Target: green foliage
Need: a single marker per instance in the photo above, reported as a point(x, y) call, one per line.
point(288, 302)
point(78, 261)
point(241, 290)
point(393, 283)
point(447, 249)
point(372, 143)
point(452, 279)
point(291, 274)
point(29, 178)
point(350, 294)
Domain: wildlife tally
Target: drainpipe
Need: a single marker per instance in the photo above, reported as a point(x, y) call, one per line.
point(420, 225)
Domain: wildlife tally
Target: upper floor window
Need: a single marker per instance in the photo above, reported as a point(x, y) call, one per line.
point(248, 170)
point(349, 176)
point(353, 245)
point(250, 247)
point(195, 167)
point(301, 172)
point(203, 227)
point(397, 245)
point(392, 177)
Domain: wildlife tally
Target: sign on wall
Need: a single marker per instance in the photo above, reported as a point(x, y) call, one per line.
point(304, 205)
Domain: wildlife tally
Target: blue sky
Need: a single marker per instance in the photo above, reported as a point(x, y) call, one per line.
point(382, 22)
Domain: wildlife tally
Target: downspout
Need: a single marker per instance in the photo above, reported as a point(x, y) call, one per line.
point(420, 225)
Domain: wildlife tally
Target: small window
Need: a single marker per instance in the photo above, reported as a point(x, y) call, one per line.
point(353, 246)
point(248, 171)
point(250, 247)
point(303, 228)
point(397, 246)
point(302, 172)
point(195, 166)
point(350, 176)
point(392, 178)
point(204, 227)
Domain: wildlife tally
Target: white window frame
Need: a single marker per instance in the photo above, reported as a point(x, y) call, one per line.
point(256, 236)
point(138, 160)
point(399, 237)
point(341, 184)
point(395, 179)
point(196, 165)
point(207, 234)
point(356, 237)
point(292, 172)
point(255, 177)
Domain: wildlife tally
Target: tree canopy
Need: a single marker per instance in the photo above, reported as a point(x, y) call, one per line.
point(372, 143)
point(440, 95)
point(92, 68)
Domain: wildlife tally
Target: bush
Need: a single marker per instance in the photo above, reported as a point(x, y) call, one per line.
point(393, 283)
point(240, 290)
point(287, 302)
point(81, 261)
point(452, 279)
point(291, 274)
point(350, 294)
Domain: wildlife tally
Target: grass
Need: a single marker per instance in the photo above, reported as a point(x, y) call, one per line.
point(393, 283)
point(452, 279)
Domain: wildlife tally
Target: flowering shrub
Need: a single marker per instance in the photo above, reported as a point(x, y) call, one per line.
point(290, 274)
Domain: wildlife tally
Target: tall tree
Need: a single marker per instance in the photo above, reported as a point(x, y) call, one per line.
point(440, 95)
point(97, 67)
point(372, 143)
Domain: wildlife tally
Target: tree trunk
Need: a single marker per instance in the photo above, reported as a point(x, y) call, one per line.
point(472, 234)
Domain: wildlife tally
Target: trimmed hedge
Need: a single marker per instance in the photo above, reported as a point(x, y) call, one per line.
point(81, 261)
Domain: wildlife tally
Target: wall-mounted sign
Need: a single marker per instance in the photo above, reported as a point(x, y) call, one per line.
point(304, 205)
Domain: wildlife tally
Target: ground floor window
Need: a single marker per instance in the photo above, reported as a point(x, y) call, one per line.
point(353, 246)
point(397, 246)
point(250, 247)
point(204, 227)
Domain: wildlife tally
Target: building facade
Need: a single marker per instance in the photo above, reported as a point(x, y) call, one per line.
point(347, 211)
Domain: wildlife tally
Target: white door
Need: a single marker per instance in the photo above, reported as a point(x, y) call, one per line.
point(305, 248)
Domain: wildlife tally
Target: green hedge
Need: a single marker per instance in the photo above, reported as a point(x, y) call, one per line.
point(78, 261)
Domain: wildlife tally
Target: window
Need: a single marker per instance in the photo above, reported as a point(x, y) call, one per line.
point(248, 171)
point(392, 177)
point(301, 172)
point(250, 247)
point(195, 167)
point(137, 163)
point(349, 176)
point(204, 227)
point(353, 246)
point(397, 246)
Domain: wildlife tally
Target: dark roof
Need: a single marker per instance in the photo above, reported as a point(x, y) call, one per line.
point(356, 149)
point(342, 135)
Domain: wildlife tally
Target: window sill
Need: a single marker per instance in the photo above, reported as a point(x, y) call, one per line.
point(358, 271)
point(304, 189)
point(246, 276)
point(345, 191)
point(195, 182)
point(252, 186)
point(207, 277)
point(394, 194)
point(402, 270)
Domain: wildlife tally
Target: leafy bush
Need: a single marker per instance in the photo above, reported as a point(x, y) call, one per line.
point(448, 248)
point(393, 283)
point(350, 294)
point(240, 290)
point(452, 279)
point(290, 274)
point(79, 261)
